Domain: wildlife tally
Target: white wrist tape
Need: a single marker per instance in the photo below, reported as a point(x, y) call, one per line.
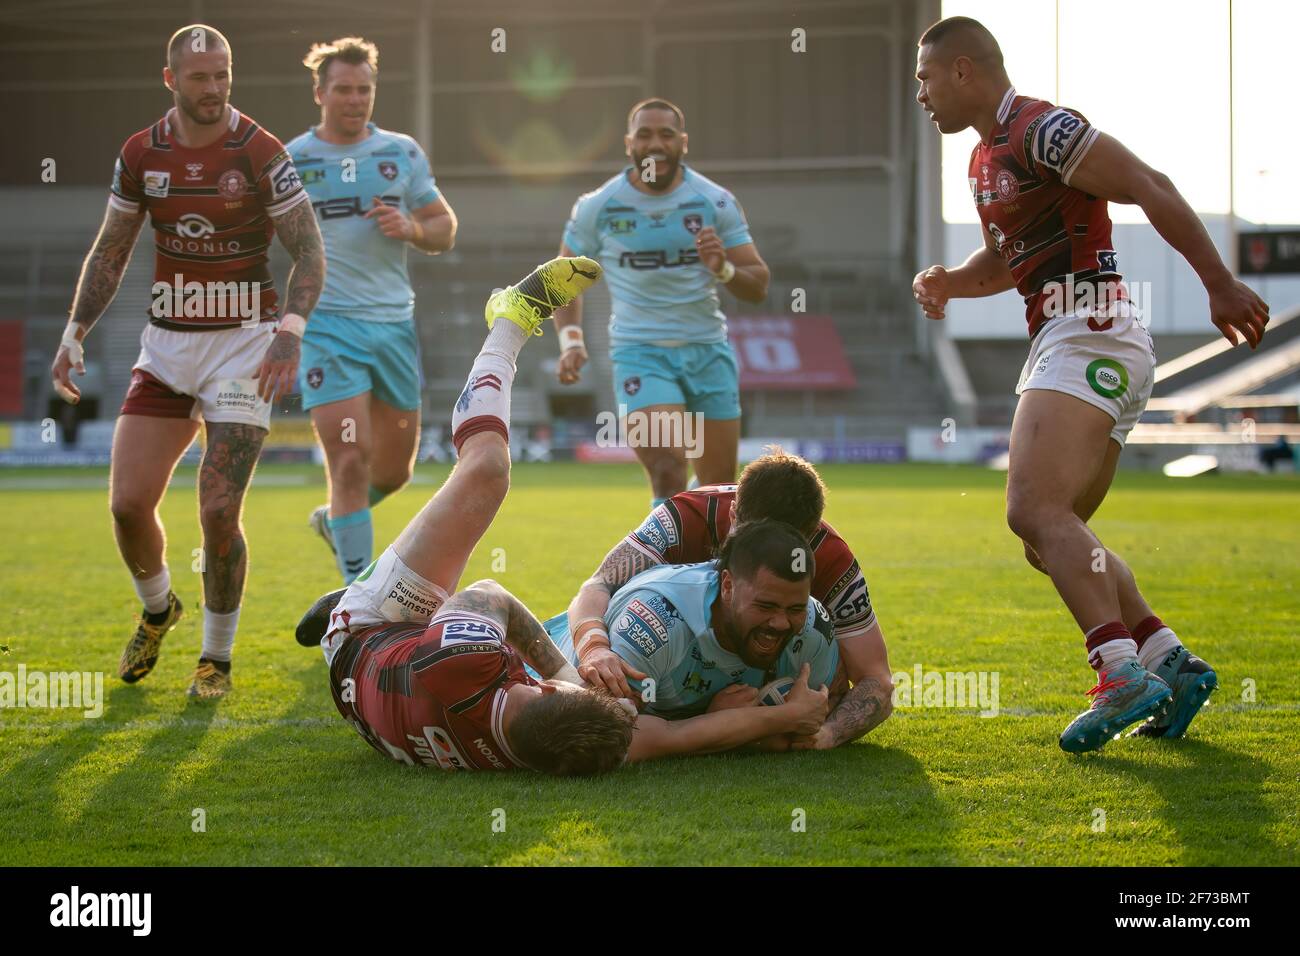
point(567, 673)
point(76, 354)
point(726, 273)
point(293, 323)
point(571, 338)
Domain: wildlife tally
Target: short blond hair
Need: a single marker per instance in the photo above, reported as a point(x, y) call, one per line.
point(351, 50)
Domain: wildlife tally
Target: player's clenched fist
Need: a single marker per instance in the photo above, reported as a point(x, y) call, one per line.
point(571, 362)
point(601, 667)
point(710, 248)
point(930, 288)
point(392, 223)
point(810, 708)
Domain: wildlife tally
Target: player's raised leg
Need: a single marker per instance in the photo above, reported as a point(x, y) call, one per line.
point(438, 542)
point(224, 476)
point(1058, 446)
point(145, 452)
point(344, 431)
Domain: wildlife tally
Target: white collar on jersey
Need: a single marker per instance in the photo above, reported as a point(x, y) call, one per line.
point(167, 120)
point(1004, 108)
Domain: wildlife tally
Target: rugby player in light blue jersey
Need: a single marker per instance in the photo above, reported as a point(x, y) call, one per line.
point(666, 237)
point(374, 195)
point(702, 637)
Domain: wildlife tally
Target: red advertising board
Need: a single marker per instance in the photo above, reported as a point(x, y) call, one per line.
point(790, 352)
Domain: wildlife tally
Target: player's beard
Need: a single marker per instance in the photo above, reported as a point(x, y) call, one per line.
point(665, 172)
point(748, 655)
point(197, 110)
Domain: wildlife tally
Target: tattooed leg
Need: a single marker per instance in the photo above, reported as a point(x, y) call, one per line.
point(224, 475)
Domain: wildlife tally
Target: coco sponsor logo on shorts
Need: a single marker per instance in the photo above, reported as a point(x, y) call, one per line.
point(1107, 377)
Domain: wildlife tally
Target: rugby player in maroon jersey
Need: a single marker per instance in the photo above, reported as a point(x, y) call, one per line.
point(691, 526)
point(430, 676)
point(1042, 176)
point(216, 186)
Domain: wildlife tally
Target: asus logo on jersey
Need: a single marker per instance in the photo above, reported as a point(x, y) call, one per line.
point(658, 259)
point(346, 206)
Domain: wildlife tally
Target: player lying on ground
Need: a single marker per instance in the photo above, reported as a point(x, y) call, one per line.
point(215, 186)
point(701, 637)
point(375, 197)
point(688, 528)
point(1041, 176)
point(436, 679)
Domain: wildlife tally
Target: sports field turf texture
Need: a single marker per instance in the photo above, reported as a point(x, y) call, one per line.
point(282, 779)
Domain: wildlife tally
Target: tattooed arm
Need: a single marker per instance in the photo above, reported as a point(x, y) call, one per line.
point(300, 235)
point(868, 703)
point(101, 275)
point(522, 630)
point(600, 666)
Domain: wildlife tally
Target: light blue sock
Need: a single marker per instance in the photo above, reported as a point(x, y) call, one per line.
point(656, 502)
point(354, 540)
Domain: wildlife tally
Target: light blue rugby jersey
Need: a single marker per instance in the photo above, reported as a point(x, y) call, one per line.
point(366, 275)
point(659, 622)
point(646, 244)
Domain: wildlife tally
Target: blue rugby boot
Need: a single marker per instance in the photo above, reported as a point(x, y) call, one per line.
point(1125, 694)
point(1193, 681)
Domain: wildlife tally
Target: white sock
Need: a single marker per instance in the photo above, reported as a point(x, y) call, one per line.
point(153, 591)
point(505, 338)
point(484, 405)
point(218, 634)
point(1117, 650)
point(1157, 647)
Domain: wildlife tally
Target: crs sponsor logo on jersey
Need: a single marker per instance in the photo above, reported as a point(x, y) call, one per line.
point(658, 259)
point(284, 179)
point(1049, 137)
point(658, 531)
point(459, 630)
point(156, 183)
point(849, 600)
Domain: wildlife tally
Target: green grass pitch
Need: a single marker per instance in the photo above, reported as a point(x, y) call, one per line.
point(282, 780)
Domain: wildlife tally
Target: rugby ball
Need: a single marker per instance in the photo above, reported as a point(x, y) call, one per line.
point(773, 694)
